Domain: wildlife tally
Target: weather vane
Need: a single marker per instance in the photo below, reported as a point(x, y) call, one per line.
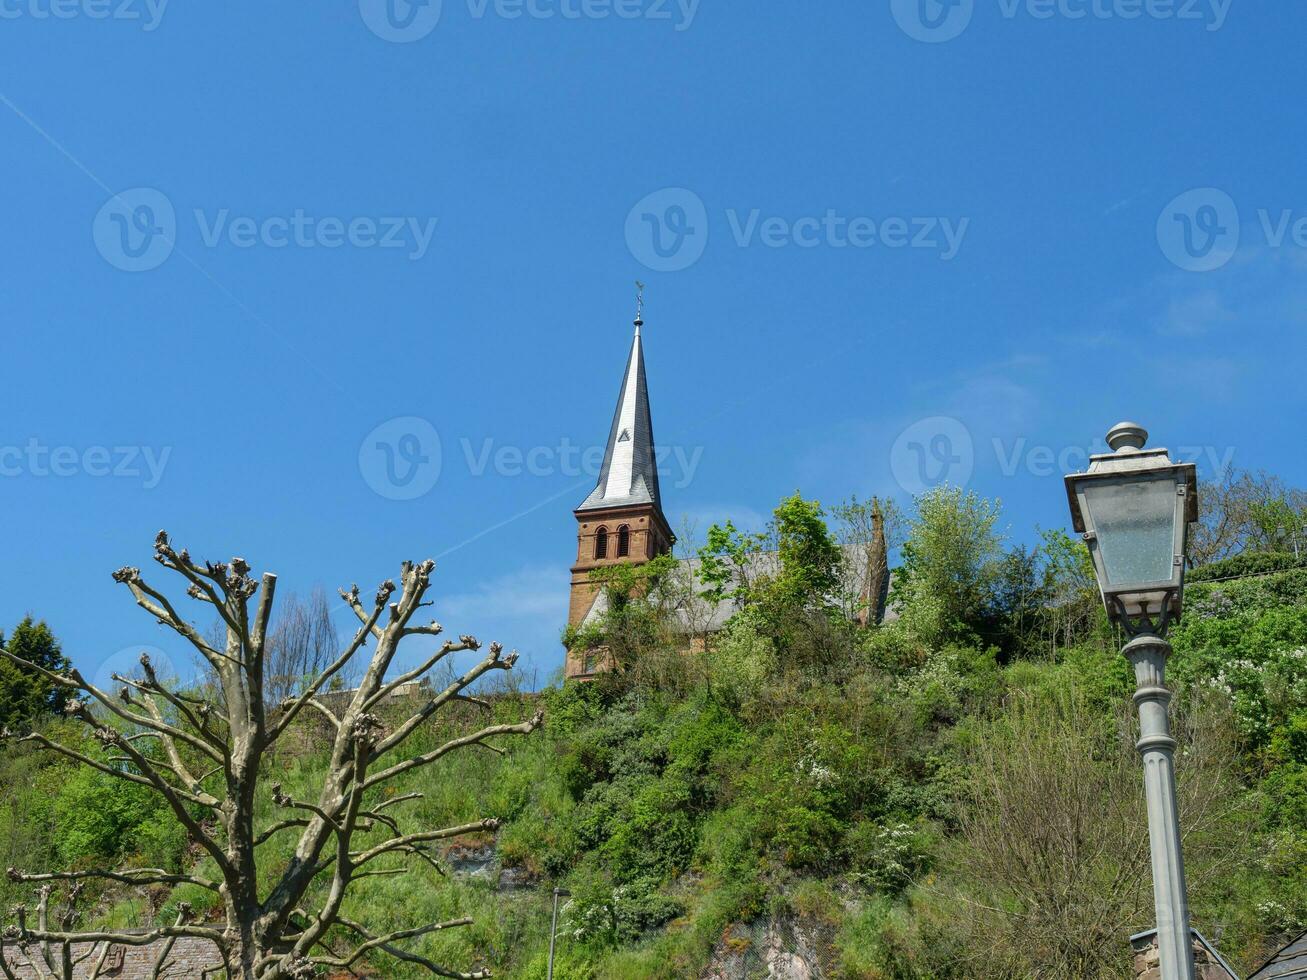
point(639, 303)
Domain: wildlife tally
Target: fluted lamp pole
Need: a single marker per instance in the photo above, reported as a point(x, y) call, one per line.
point(1134, 507)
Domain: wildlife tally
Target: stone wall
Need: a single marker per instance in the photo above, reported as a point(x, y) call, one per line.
point(1148, 965)
point(188, 960)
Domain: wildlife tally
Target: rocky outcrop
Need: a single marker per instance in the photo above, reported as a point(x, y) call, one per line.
point(779, 949)
point(479, 859)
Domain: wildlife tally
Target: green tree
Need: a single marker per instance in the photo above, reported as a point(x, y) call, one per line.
point(809, 556)
point(1073, 611)
point(25, 694)
point(635, 634)
point(778, 579)
point(1044, 598)
point(806, 572)
point(950, 563)
point(1247, 512)
point(726, 563)
point(1016, 603)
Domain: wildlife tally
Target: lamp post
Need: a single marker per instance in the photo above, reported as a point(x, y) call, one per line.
point(553, 928)
point(1134, 507)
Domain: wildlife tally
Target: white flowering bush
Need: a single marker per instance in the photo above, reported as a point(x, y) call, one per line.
point(745, 658)
point(813, 769)
point(1278, 917)
point(885, 857)
point(610, 917)
point(1266, 694)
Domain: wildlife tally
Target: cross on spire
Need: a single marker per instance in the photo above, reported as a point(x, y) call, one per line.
point(639, 304)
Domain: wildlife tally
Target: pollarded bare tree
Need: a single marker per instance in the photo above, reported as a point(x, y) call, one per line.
point(203, 756)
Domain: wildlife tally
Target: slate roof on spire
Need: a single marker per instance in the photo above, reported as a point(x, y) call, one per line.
point(630, 471)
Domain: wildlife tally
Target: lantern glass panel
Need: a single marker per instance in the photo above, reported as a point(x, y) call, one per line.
point(1134, 521)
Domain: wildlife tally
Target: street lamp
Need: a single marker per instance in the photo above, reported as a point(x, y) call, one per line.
point(1134, 507)
point(553, 927)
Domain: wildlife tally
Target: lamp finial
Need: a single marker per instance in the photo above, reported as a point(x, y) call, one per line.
point(1127, 437)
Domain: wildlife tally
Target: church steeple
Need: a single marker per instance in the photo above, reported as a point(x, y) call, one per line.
point(621, 521)
point(630, 471)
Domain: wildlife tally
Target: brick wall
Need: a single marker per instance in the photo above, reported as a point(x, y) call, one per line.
point(649, 536)
point(188, 960)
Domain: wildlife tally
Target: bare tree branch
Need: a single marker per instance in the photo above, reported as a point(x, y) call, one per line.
point(491, 662)
point(108, 770)
point(446, 648)
point(266, 931)
point(131, 876)
point(475, 738)
point(394, 937)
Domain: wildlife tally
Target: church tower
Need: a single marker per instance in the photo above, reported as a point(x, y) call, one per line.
point(622, 518)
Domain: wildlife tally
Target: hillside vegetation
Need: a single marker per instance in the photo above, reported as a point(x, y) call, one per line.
point(954, 794)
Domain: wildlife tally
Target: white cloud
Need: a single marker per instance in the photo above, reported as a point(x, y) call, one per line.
point(524, 593)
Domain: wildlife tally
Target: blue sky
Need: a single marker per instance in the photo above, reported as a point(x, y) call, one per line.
point(332, 285)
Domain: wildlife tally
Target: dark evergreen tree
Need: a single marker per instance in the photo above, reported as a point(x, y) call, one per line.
point(25, 694)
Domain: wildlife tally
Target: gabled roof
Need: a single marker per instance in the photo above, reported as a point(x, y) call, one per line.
point(1289, 963)
point(630, 471)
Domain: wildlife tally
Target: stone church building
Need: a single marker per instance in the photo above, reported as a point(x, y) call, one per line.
point(622, 520)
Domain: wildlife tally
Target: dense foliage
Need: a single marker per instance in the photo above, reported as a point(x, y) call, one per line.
point(953, 794)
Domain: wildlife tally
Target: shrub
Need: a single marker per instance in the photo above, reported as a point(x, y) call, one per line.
point(1251, 563)
point(886, 856)
point(603, 914)
point(1267, 697)
point(743, 658)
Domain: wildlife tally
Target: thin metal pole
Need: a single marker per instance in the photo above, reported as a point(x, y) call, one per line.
point(553, 933)
point(1148, 655)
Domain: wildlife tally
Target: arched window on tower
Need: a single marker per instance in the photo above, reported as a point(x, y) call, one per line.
point(623, 541)
point(601, 543)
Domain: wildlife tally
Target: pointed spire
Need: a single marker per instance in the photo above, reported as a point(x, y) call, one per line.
point(630, 472)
